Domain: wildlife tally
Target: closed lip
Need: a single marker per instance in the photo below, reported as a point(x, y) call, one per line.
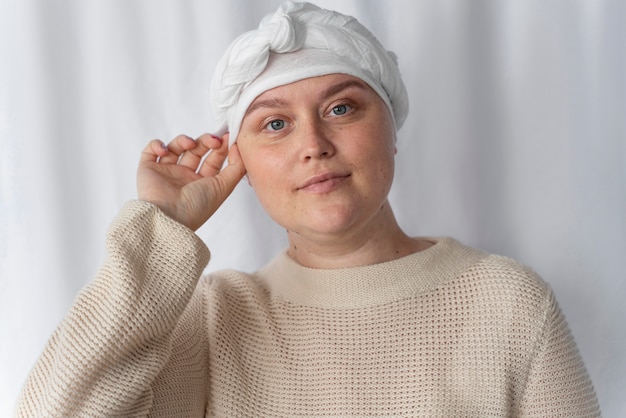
point(321, 178)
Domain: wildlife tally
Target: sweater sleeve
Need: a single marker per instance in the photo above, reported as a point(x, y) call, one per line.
point(111, 354)
point(558, 383)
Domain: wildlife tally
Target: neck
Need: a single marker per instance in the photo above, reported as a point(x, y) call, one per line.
point(382, 241)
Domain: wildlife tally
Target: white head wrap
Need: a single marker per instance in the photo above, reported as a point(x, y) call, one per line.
point(299, 41)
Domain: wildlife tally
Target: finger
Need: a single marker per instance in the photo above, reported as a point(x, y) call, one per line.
point(230, 176)
point(205, 143)
point(213, 161)
point(153, 151)
point(176, 147)
point(223, 184)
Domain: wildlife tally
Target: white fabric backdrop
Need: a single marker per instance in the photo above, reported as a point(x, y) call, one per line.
point(516, 143)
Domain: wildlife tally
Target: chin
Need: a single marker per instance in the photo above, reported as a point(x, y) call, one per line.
point(329, 222)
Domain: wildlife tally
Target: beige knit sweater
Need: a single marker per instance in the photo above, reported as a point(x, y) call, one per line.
point(447, 332)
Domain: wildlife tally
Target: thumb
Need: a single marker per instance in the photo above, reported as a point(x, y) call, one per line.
point(234, 171)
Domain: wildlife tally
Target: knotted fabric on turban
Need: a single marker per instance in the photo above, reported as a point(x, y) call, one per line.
point(298, 41)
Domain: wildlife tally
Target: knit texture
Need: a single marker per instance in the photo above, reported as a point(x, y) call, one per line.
point(446, 332)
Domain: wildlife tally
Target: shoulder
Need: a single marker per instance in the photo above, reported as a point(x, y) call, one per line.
point(505, 291)
point(506, 276)
point(490, 272)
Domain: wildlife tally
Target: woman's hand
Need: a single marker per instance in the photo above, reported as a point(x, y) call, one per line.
point(169, 177)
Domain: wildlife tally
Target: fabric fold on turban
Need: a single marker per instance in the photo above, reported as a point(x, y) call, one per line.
point(298, 41)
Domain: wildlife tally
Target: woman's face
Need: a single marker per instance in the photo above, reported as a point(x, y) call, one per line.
point(319, 154)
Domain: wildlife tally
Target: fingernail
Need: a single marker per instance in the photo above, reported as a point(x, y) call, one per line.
point(216, 137)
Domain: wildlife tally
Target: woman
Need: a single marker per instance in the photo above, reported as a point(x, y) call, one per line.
point(355, 318)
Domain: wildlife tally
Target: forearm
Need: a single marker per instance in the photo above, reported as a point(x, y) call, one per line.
point(105, 355)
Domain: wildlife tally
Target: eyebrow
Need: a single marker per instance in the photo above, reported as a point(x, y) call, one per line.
point(269, 103)
point(334, 89)
point(343, 86)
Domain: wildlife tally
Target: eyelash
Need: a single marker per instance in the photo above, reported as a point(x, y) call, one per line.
point(348, 108)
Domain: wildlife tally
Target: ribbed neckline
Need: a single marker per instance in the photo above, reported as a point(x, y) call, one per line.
point(368, 285)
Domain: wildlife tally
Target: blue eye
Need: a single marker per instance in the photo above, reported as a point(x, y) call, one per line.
point(276, 125)
point(341, 109)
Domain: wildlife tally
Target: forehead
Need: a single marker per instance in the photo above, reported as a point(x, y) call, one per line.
point(321, 87)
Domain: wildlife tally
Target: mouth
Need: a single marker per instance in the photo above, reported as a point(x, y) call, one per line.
point(324, 183)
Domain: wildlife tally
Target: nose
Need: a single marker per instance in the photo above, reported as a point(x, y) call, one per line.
point(315, 141)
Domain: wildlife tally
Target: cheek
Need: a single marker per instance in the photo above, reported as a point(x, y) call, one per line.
point(250, 159)
point(378, 152)
point(262, 171)
point(386, 169)
point(379, 167)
